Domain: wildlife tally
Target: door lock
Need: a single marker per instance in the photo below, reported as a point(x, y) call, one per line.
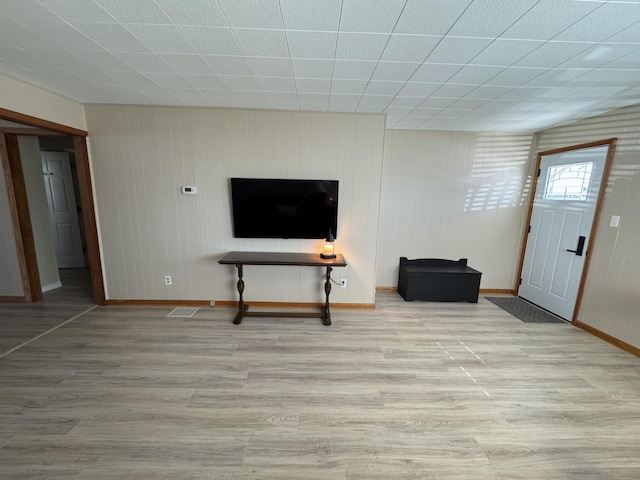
point(580, 248)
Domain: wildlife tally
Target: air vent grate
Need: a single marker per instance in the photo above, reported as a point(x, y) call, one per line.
point(183, 312)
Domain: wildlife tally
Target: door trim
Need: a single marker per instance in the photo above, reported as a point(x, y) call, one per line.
point(20, 209)
point(611, 142)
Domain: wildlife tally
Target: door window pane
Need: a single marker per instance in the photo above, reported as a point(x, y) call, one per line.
point(568, 182)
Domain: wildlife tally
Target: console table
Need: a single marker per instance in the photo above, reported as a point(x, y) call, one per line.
point(239, 259)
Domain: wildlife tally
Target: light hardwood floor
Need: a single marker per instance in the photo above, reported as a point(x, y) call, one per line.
point(406, 391)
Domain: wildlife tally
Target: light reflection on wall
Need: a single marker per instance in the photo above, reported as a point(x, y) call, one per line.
point(498, 175)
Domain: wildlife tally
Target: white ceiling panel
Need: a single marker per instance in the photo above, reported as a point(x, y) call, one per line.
point(252, 13)
point(138, 11)
point(190, 13)
point(271, 67)
point(312, 44)
point(112, 37)
point(262, 43)
point(311, 14)
point(548, 18)
point(228, 65)
point(455, 64)
point(394, 71)
point(430, 18)
point(161, 38)
point(212, 40)
point(409, 48)
point(360, 46)
point(489, 18)
point(373, 16)
point(187, 64)
point(312, 68)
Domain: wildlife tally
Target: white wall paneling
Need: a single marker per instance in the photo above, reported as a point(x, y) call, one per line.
point(454, 195)
point(143, 155)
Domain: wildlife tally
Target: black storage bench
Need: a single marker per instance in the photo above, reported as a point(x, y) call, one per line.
point(438, 280)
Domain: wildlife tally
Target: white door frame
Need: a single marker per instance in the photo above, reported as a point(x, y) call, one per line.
point(611, 142)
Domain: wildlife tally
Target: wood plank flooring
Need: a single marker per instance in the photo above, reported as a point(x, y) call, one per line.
point(414, 390)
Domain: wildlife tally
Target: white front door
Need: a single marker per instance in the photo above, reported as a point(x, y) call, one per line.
point(58, 182)
point(561, 223)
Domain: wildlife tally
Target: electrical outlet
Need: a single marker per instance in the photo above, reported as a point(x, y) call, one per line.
point(343, 283)
point(167, 280)
point(615, 221)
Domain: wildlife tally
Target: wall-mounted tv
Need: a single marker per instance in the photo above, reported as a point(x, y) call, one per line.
point(284, 208)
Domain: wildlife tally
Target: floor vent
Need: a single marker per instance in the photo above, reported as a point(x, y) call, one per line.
point(183, 312)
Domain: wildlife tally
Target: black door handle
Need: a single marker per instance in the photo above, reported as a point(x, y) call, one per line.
point(580, 248)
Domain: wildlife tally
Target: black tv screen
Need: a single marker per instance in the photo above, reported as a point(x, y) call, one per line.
point(278, 208)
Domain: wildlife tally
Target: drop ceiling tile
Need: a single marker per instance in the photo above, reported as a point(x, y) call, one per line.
point(101, 60)
point(190, 13)
point(475, 75)
point(353, 69)
point(360, 46)
point(611, 18)
point(598, 56)
point(469, 103)
point(628, 35)
point(271, 67)
point(376, 87)
point(453, 90)
point(311, 14)
point(488, 92)
point(432, 105)
point(168, 80)
point(132, 79)
point(161, 38)
point(228, 65)
point(313, 85)
point(457, 50)
point(212, 40)
point(112, 37)
point(369, 108)
point(262, 43)
point(340, 99)
point(558, 15)
point(354, 87)
point(551, 54)
point(521, 93)
point(514, 76)
point(252, 13)
point(74, 11)
point(397, 110)
point(274, 84)
point(409, 48)
point(396, 71)
point(139, 11)
point(435, 73)
point(187, 95)
point(144, 62)
point(314, 98)
point(312, 68)
point(554, 77)
point(282, 97)
point(406, 102)
point(237, 83)
point(380, 101)
point(377, 16)
point(312, 44)
point(341, 108)
point(186, 63)
point(505, 52)
point(12, 33)
point(418, 89)
point(489, 18)
point(62, 36)
point(430, 18)
point(211, 82)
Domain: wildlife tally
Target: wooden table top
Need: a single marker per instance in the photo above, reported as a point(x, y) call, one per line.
point(281, 258)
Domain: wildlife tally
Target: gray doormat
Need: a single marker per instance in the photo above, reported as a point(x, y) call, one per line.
point(525, 311)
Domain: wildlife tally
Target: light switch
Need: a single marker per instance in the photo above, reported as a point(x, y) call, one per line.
point(615, 221)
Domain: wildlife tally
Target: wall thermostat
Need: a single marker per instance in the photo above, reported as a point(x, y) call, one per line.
point(187, 190)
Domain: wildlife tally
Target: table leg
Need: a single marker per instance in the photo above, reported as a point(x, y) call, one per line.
point(326, 317)
point(242, 308)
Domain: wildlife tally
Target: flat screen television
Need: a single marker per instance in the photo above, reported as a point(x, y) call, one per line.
point(284, 208)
